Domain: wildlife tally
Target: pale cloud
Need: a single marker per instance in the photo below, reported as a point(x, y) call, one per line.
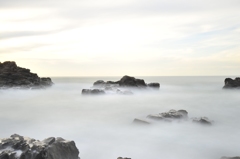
point(156, 37)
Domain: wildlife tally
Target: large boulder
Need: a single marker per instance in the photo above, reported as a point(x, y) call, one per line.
point(154, 85)
point(128, 81)
point(12, 76)
point(19, 147)
point(230, 83)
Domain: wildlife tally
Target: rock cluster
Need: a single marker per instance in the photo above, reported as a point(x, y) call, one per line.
point(232, 83)
point(19, 147)
point(119, 87)
point(12, 76)
point(172, 115)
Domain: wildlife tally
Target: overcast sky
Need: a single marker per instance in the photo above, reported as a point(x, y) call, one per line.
point(114, 38)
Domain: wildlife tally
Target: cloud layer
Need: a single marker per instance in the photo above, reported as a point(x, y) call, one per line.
point(108, 38)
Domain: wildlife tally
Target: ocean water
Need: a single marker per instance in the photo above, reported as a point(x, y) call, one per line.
point(102, 128)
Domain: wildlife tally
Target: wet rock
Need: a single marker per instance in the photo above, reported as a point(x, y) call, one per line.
point(237, 157)
point(123, 158)
point(140, 122)
point(202, 120)
point(154, 85)
point(12, 76)
point(93, 92)
point(230, 83)
point(170, 115)
point(19, 147)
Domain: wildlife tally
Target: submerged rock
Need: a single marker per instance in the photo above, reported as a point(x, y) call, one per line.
point(19, 147)
point(230, 83)
point(12, 76)
point(140, 122)
point(170, 115)
point(93, 92)
point(154, 85)
point(202, 120)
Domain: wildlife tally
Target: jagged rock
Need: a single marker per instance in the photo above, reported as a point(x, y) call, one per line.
point(154, 85)
point(93, 92)
point(140, 122)
point(19, 147)
point(202, 120)
point(123, 158)
point(237, 157)
point(170, 115)
point(230, 83)
point(12, 76)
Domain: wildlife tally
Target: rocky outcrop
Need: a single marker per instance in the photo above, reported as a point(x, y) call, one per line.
point(123, 158)
point(127, 81)
point(12, 76)
point(230, 83)
point(122, 86)
point(19, 147)
point(237, 157)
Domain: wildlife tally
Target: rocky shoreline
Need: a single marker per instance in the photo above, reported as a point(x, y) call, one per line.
point(12, 76)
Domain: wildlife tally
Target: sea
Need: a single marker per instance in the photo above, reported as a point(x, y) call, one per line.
point(102, 126)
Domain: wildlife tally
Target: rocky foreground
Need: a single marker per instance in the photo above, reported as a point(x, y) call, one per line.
point(123, 86)
point(12, 76)
point(232, 83)
point(19, 147)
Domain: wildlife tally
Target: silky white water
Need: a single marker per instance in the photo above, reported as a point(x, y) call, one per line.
point(102, 128)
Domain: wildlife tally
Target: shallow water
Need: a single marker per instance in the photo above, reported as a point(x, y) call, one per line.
point(102, 128)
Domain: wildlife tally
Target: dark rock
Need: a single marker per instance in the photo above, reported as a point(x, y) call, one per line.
point(99, 83)
point(170, 115)
point(154, 85)
point(230, 83)
point(140, 122)
point(19, 147)
point(12, 76)
point(127, 81)
point(237, 157)
point(123, 158)
point(202, 120)
point(93, 92)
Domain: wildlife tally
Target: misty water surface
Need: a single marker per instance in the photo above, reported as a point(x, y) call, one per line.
point(102, 128)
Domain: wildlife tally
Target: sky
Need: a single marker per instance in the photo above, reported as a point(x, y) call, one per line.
point(127, 37)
